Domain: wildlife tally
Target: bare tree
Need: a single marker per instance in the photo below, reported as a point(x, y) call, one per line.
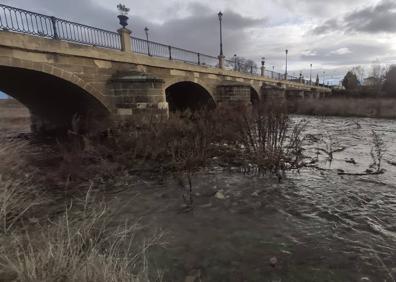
point(244, 65)
point(377, 74)
point(359, 72)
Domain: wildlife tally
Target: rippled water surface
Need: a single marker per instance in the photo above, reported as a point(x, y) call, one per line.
point(358, 211)
point(318, 224)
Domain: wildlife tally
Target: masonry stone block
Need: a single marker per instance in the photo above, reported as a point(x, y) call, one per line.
point(124, 111)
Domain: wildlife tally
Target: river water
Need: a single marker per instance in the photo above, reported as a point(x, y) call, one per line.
point(322, 223)
point(316, 224)
point(355, 214)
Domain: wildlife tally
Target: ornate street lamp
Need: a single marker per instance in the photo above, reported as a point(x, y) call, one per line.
point(324, 74)
point(146, 30)
point(123, 17)
point(287, 52)
point(262, 66)
point(220, 14)
point(235, 62)
point(310, 75)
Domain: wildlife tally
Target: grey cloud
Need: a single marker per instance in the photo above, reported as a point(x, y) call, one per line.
point(316, 8)
point(201, 31)
point(346, 54)
point(375, 19)
point(327, 26)
point(198, 32)
point(381, 18)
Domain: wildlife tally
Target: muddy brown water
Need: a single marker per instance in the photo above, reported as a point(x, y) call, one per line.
point(319, 225)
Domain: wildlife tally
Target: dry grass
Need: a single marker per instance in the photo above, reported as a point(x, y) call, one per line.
point(18, 195)
point(78, 247)
point(359, 107)
point(80, 244)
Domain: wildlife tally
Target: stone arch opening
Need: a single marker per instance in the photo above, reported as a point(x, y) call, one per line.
point(254, 97)
point(56, 105)
point(188, 95)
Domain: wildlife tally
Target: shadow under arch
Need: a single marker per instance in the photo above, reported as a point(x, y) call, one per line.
point(188, 95)
point(56, 105)
point(254, 97)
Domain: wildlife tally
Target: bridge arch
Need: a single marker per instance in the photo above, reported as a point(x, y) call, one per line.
point(57, 99)
point(184, 95)
point(254, 96)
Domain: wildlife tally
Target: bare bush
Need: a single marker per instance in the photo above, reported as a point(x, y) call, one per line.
point(332, 146)
point(266, 140)
point(295, 144)
point(377, 152)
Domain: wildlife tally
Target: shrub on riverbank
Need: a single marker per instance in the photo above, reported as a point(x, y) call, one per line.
point(190, 140)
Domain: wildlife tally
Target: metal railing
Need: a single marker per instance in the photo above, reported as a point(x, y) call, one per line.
point(156, 49)
point(22, 21)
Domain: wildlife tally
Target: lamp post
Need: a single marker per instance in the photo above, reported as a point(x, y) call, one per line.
point(235, 62)
point(146, 30)
point(287, 52)
point(324, 73)
point(221, 56)
point(262, 66)
point(310, 75)
point(220, 14)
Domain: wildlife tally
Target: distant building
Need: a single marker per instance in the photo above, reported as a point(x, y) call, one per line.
point(370, 81)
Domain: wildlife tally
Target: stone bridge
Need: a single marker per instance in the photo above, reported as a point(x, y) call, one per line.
point(59, 80)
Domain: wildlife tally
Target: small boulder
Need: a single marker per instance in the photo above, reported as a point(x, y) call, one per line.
point(273, 261)
point(220, 195)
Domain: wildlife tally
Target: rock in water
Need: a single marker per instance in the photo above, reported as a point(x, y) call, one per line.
point(273, 261)
point(220, 195)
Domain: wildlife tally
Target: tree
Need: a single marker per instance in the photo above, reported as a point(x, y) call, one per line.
point(377, 76)
point(244, 65)
point(350, 81)
point(359, 71)
point(390, 81)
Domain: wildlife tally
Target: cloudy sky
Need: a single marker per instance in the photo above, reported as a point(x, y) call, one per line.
point(333, 35)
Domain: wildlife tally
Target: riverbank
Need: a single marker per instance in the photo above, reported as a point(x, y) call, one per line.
point(14, 116)
point(345, 107)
